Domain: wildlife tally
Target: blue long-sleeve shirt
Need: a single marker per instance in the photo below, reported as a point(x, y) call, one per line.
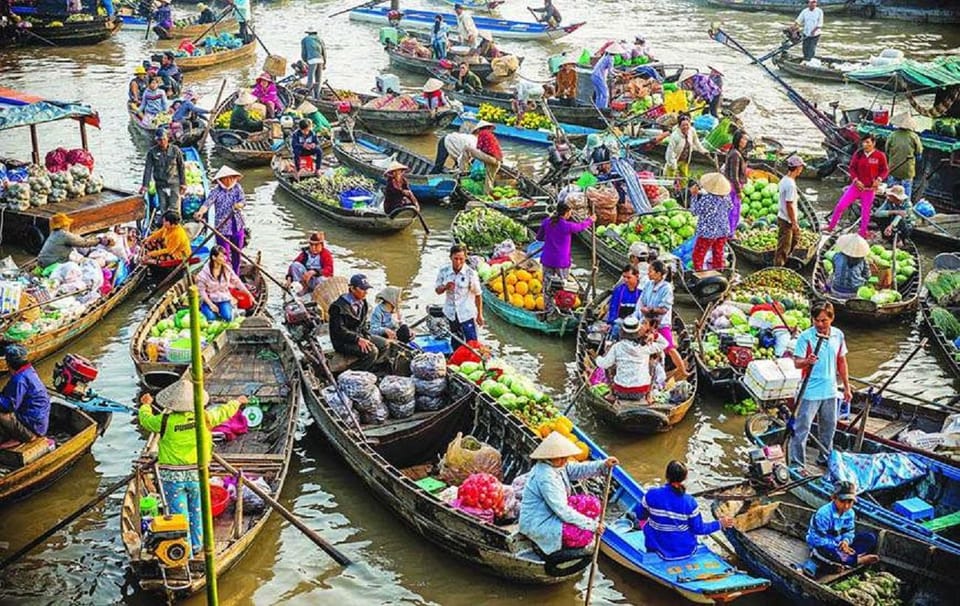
point(298, 140)
point(848, 274)
point(187, 106)
point(673, 522)
point(828, 528)
point(622, 297)
point(27, 397)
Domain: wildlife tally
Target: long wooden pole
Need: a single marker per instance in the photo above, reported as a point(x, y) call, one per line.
point(211, 115)
point(596, 547)
point(203, 450)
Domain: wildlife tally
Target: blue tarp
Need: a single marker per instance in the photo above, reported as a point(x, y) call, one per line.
point(21, 109)
point(871, 472)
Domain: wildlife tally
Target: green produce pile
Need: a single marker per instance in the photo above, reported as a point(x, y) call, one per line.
point(513, 391)
point(742, 408)
point(666, 229)
point(778, 278)
point(177, 326)
point(764, 239)
point(327, 189)
point(881, 258)
point(759, 202)
point(946, 322)
point(943, 286)
point(871, 589)
point(483, 228)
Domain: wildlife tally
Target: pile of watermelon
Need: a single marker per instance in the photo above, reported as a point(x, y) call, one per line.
point(483, 491)
point(759, 202)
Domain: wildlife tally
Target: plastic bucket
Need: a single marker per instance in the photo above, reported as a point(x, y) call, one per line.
point(881, 117)
point(219, 498)
point(149, 506)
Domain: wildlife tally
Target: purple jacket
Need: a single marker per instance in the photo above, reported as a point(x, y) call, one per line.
point(556, 240)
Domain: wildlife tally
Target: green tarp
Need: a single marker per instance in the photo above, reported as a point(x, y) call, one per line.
point(942, 72)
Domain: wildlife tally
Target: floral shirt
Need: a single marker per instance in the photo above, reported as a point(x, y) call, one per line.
point(713, 215)
point(223, 202)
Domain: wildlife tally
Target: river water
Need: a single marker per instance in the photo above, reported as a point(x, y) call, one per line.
point(86, 564)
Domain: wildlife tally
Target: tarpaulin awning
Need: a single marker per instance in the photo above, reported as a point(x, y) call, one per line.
point(939, 73)
point(929, 139)
point(22, 109)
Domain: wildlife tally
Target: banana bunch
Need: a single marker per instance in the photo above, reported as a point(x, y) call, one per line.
point(534, 121)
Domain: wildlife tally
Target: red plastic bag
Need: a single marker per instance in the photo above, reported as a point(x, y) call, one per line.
point(56, 160)
point(574, 536)
point(244, 301)
point(80, 156)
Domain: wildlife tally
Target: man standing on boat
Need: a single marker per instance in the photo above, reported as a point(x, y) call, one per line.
point(904, 149)
point(549, 14)
point(466, 27)
point(788, 223)
point(164, 165)
point(314, 54)
point(463, 302)
point(241, 10)
point(24, 401)
point(810, 21)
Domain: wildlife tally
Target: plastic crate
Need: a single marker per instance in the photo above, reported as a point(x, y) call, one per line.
point(431, 484)
point(914, 509)
point(432, 344)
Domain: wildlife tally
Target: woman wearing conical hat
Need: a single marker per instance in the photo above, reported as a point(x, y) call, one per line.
point(228, 200)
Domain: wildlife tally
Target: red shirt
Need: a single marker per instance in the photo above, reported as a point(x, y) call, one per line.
point(868, 168)
point(488, 144)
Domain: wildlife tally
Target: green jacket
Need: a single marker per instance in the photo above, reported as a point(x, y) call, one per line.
point(178, 442)
point(903, 146)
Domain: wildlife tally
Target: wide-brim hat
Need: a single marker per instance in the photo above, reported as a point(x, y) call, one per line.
point(904, 120)
point(555, 446)
point(179, 396)
point(306, 108)
point(714, 69)
point(226, 171)
point(853, 245)
point(716, 184)
point(615, 49)
point(432, 85)
point(485, 35)
point(265, 76)
point(898, 192)
point(245, 98)
point(390, 294)
point(60, 221)
point(201, 6)
point(394, 165)
point(482, 124)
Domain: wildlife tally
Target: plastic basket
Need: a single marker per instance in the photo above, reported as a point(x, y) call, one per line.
point(179, 351)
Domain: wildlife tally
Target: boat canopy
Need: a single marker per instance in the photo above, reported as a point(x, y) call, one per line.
point(22, 109)
point(942, 72)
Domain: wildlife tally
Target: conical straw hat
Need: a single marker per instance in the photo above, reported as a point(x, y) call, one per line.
point(555, 446)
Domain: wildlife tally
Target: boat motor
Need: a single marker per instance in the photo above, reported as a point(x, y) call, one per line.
point(167, 539)
point(437, 324)
point(72, 376)
point(768, 466)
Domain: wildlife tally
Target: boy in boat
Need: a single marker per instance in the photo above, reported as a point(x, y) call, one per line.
point(831, 536)
point(348, 332)
point(24, 401)
point(168, 245)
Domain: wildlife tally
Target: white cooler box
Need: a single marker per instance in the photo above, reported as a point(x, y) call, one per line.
point(772, 379)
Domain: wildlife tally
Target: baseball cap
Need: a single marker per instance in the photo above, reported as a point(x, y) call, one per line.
point(795, 161)
point(359, 281)
point(845, 491)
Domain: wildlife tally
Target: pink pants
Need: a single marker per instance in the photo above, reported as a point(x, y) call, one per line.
point(850, 195)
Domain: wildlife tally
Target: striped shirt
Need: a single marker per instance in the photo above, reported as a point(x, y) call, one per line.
point(673, 522)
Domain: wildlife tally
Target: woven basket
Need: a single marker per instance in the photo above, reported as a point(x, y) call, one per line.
point(327, 292)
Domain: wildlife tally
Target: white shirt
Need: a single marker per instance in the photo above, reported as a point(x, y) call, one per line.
point(467, 29)
point(788, 196)
point(461, 304)
point(632, 360)
point(811, 21)
point(457, 144)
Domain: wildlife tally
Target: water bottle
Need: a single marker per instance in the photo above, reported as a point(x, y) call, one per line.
point(844, 408)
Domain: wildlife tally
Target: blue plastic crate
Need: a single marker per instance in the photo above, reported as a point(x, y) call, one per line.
point(914, 508)
point(432, 345)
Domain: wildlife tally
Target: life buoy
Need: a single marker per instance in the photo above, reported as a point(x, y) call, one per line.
point(567, 562)
point(708, 287)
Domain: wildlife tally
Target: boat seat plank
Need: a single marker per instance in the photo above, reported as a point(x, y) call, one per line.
point(892, 429)
point(943, 522)
point(339, 362)
point(19, 454)
point(395, 426)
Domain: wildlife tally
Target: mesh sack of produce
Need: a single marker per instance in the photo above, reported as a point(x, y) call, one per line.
point(401, 409)
point(397, 389)
point(357, 384)
point(604, 199)
point(467, 455)
point(430, 387)
point(510, 510)
point(588, 505)
point(430, 403)
point(372, 409)
point(428, 366)
point(481, 490)
point(329, 393)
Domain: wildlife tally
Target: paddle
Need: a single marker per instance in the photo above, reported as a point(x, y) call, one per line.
point(4, 319)
point(871, 396)
point(596, 545)
point(332, 551)
point(222, 16)
point(803, 388)
point(352, 8)
point(340, 99)
point(37, 36)
point(262, 45)
point(216, 105)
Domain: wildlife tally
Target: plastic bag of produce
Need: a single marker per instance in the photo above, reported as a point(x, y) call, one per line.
point(588, 505)
point(372, 410)
point(397, 389)
point(467, 455)
point(430, 387)
point(361, 388)
point(428, 366)
point(430, 403)
point(56, 160)
point(401, 410)
point(329, 393)
point(80, 156)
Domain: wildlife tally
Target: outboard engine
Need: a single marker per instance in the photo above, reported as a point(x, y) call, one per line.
point(73, 374)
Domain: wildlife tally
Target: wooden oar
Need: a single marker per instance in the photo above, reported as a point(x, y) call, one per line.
point(364, 5)
point(37, 36)
point(596, 545)
point(211, 115)
point(283, 286)
point(222, 16)
point(332, 551)
point(919, 400)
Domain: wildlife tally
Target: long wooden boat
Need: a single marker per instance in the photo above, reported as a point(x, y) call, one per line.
point(66, 33)
point(770, 540)
point(861, 310)
point(393, 457)
point(239, 368)
point(779, 6)
point(942, 230)
point(530, 208)
point(192, 29)
point(574, 112)
point(369, 155)
point(362, 220)
point(422, 20)
point(577, 135)
point(944, 347)
point(148, 133)
point(562, 325)
point(243, 148)
point(477, 5)
point(381, 121)
point(826, 71)
point(635, 416)
point(905, 475)
point(37, 464)
point(189, 64)
point(426, 65)
point(158, 374)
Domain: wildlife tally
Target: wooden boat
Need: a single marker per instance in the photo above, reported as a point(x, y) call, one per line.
point(243, 148)
point(156, 375)
point(530, 208)
point(770, 540)
point(861, 310)
point(477, 5)
point(421, 20)
point(360, 219)
point(189, 64)
point(827, 71)
point(779, 6)
point(562, 325)
point(382, 121)
point(633, 416)
point(911, 476)
point(65, 33)
point(941, 230)
point(941, 13)
point(37, 464)
point(192, 29)
point(426, 65)
point(577, 135)
point(238, 368)
point(369, 155)
point(574, 113)
point(393, 457)
point(943, 346)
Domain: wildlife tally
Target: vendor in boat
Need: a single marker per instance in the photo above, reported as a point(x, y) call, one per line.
point(385, 320)
point(310, 112)
point(810, 22)
point(682, 143)
point(895, 214)
point(187, 113)
point(492, 155)
point(904, 150)
point(832, 538)
point(240, 118)
point(243, 15)
point(304, 142)
point(868, 170)
point(850, 267)
point(735, 170)
point(641, 48)
point(207, 15)
point(138, 85)
point(177, 452)
point(61, 242)
point(163, 18)
point(221, 289)
point(265, 92)
point(487, 48)
point(673, 520)
point(549, 14)
point(544, 508)
point(466, 28)
point(153, 101)
point(439, 38)
point(602, 74)
point(467, 81)
point(168, 245)
point(788, 217)
point(433, 94)
point(312, 265)
point(556, 233)
point(164, 165)
point(656, 298)
point(463, 297)
point(462, 147)
point(631, 357)
point(820, 398)
point(170, 73)
point(24, 401)
point(314, 54)
point(396, 192)
point(348, 321)
point(228, 201)
point(711, 204)
point(567, 80)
